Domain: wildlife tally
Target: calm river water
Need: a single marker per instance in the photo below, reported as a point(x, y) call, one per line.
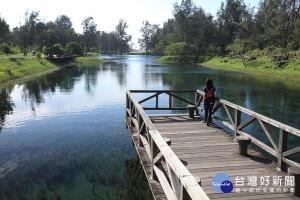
point(63, 135)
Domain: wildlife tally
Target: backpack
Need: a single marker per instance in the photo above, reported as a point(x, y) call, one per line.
point(209, 97)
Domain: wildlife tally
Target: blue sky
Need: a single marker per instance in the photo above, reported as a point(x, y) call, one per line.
point(106, 13)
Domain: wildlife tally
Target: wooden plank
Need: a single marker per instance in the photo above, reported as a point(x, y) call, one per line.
point(237, 122)
point(164, 183)
point(185, 132)
point(260, 144)
point(174, 182)
point(146, 145)
point(148, 98)
point(283, 138)
point(186, 179)
point(246, 123)
point(155, 186)
point(229, 114)
point(291, 152)
point(269, 134)
point(174, 108)
point(180, 98)
point(219, 105)
point(290, 162)
point(153, 91)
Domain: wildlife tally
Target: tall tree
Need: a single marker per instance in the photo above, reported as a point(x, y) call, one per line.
point(122, 37)
point(4, 30)
point(89, 32)
point(183, 14)
point(64, 30)
point(229, 21)
point(149, 36)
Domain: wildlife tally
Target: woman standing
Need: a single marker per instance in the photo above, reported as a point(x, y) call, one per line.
point(209, 100)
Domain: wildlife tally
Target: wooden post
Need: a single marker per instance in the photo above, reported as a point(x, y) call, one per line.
point(127, 106)
point(170, 101)
point(197, 97)
point(283, 137)
point(237, 122)
point(295, 171)
point(191, 109)
point(138, 117)
point(243, 144)
point(131, 113)
point(154, 153)
point(156, 101)
point(183, 194)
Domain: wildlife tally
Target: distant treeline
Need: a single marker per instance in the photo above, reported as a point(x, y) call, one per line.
point(53, 37)
point(237, 28)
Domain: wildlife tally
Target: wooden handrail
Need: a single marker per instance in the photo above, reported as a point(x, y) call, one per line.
point(157, 147)
point(157, 144)
point(258, 116)
point(278, 150)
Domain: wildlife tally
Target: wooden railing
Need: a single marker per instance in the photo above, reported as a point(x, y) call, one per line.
point(278, 149)
point(176, 181)
point(165, 162)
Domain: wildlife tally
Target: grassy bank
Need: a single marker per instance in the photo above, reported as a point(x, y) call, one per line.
point(23, 68)
point(13, 68)
point(180, 59)
point(88, 61)
point(262, 65)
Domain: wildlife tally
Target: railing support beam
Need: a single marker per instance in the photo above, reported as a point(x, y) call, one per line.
point(283, 137)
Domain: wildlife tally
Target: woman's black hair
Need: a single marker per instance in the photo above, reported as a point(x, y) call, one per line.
point(209, 83)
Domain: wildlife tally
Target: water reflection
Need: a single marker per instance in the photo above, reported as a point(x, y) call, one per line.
point(64, 133)
point(6, 105)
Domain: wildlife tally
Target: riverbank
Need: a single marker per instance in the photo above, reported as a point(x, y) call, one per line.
point(88, 61)
point(289, 69)
point(18, 69)
point(262, 65)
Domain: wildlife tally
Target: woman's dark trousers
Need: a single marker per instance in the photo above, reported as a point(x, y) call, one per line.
point(208, 113)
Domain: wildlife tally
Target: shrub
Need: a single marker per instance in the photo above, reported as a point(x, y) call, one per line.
point(180, 49)
point(56, 49)
point(4, 48)
point(38, 55)
point(74, 48)
point(280, 52)
point(268, 51)
point(93, 49)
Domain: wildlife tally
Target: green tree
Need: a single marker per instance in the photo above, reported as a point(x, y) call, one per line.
point(56, 50)
point(64, 30)
point(183, 14)
point(229, 21)
point(89, 33)
point(4, 48)
point(4, 30)
point(149, 36)
point(181, 49)
point(122, 37)
point(74, 48)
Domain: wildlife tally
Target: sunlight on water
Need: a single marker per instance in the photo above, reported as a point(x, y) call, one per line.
point(64, 134)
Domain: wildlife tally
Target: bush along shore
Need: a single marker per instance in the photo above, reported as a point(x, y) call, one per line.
point(27, 67)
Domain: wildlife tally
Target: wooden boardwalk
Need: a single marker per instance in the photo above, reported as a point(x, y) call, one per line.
point(180, 155)
point(207, 151)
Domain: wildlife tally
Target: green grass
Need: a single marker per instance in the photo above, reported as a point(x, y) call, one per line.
point(88, 61)
point(13, 68)
point(93, 54)
point(178, 59)
point(13, 55)
point(261, 65)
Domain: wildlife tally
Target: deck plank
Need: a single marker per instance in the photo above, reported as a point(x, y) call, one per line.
point(207, 151)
